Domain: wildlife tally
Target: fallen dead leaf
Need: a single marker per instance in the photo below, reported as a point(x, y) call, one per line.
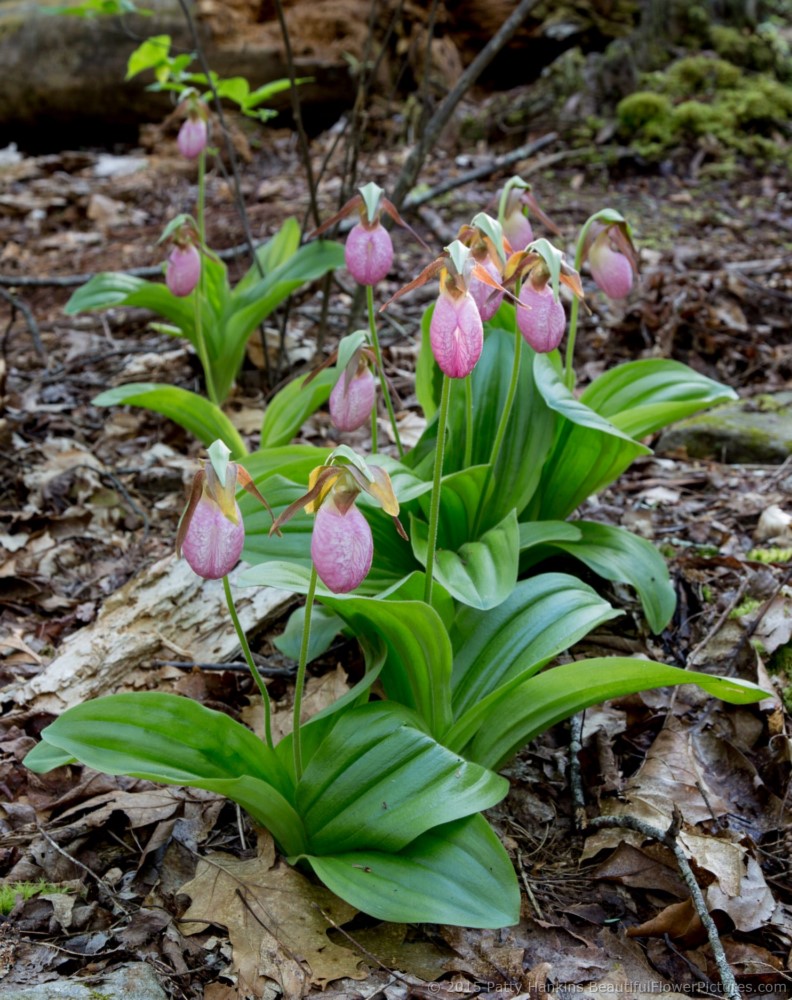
point(275, 921)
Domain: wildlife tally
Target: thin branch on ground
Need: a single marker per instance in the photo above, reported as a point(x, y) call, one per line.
point(575, 777)
point(35, 333)
point(492, 166)
point(440, 118)
point(669, 838)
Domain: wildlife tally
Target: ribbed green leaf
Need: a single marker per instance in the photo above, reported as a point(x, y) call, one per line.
point(251, 304)
point(288, 409)
point(376, 784)
point(104, 291)
point(481, 573)
point(529, 432)
point(176, 741)
point(641, 397)
point(542, 617)
point(417, 670)
point(195, 414)
point(588, 453)
point(549, 697)
point(613, 553)
point(272, 254)
point(455, 874)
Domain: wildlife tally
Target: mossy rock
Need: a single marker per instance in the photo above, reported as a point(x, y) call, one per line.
point(755, 431)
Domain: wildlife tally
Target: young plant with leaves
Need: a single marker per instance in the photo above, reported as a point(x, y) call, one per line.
point(383, 799)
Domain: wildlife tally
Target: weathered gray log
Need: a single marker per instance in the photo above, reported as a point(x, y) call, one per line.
point(166, 612)
point(62, 70)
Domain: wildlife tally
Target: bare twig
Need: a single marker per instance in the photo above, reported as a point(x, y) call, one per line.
point(575, 777)
point(669, 839)
point(440, 118)
point(493, 166)
point(30, 319)
point(305, 151)
point(71, 280)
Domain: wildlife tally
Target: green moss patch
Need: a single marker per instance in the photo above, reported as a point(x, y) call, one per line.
point(710, 100)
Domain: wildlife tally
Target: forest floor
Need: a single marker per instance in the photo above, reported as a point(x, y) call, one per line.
point(90, 499)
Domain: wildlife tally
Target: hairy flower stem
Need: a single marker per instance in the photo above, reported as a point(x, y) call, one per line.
point(383, 382)
point(500, 433)
point(569, 370)
point(200, 343)
point(299, 683)
point(434, 506)
point(468, 422)
point(250, 662)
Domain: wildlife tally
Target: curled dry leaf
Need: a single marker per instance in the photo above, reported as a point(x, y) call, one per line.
point(275, 922)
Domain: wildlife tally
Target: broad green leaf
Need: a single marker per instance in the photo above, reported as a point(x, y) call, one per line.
point(176, 741)
point(251, 304)
point(417, 670)
point(375, 783)
point(272, 254)
point(268, 90)
point(614, 554)
point(45, 757)
point(455, 874)
point(543, 700)
point(148, 54)
point(195, 414)
point(641, 397)
point(104, 291)
point(235, 88)
point(588, 454)
point(529, 432)
point(325, 626)
point(542, 617)
point(293, 462)
point(480, 574)
point(289, 408)
point(537, 533)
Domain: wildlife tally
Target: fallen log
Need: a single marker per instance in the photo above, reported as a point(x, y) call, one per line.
point(163, 611)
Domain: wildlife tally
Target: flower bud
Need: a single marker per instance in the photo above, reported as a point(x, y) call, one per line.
point(342, 547)
point(184, 270)
point(192, 137)
point(368, 253)
point(542, 322)
point(456, 334)
point(487, 299)
point(611, 270)
point(351, 402)
point(517, 229)
point(213, 544)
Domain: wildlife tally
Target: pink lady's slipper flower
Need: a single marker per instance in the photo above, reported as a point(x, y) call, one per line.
point(611, 269)
point(342, 546)
point(369, 249)
point(183, 270)
point(488, 300)
point(542, 320)
point(484, 237)
point(540, 314)
point(352, 398)
point(368, 252)
point(211, 532)
point(456, 331)
point(192, 137)
point(515, 198)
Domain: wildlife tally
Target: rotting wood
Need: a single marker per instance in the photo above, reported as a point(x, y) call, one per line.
point(164, 608)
